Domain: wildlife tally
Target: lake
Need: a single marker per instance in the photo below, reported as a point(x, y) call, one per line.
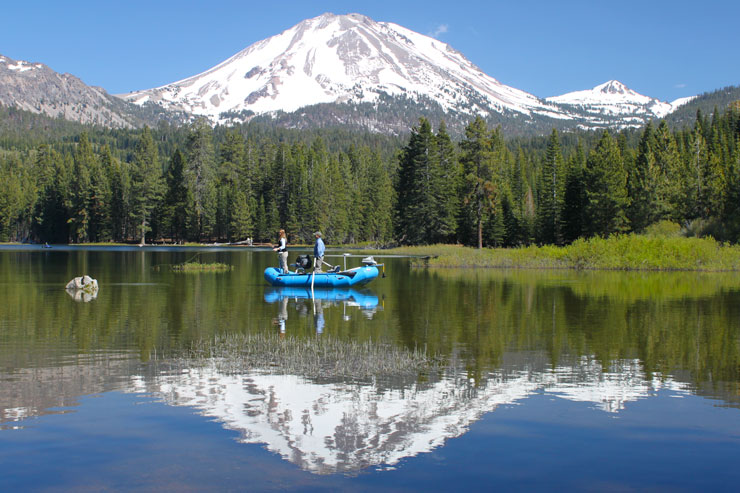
point(514, 380)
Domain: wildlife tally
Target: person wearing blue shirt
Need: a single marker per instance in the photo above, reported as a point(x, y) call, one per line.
point(318, 252)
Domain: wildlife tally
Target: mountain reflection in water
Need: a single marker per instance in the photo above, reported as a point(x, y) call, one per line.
point(346, 427)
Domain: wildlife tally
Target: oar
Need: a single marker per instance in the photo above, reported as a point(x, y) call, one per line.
point(313, 274)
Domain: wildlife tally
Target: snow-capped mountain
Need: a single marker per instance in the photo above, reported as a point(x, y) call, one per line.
point(343, 59)
point(346, 70)
point(612, 101)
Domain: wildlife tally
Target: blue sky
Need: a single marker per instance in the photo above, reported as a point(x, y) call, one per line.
point(660, 48)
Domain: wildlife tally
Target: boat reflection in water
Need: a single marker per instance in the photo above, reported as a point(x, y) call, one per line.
point(315, 300)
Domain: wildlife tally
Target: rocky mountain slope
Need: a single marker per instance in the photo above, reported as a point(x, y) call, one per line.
point(37, 88)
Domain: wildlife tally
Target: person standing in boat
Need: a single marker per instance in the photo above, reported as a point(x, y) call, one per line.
point(282, 251)
point(318, 252)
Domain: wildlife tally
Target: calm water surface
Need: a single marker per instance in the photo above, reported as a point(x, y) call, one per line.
point(545, 380)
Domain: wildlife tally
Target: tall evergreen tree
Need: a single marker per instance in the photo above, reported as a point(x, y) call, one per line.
point(606, 189)
point(199, 175)
point(147, 187)
point(478, 189)
point(573, 216)
point(642, 183)
point(52, 223)
point(445, 188)
point(177, 198)
point(416, 186)
point(80, 196)
point(550, 191)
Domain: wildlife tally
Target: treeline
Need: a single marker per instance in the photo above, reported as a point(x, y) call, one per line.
point(484, 192)
point(222, 187)
point(229, 184)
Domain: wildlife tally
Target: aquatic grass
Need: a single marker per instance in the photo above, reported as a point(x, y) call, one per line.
point(195, 267)
point(313, 357)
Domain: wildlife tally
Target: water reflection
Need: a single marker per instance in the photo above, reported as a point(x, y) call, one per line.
point(314, 301)
point(604, 339)
point(345, 427)
point(340, 426)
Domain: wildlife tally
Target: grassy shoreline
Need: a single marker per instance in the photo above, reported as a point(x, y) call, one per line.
point(619, 252)
point(630, 252)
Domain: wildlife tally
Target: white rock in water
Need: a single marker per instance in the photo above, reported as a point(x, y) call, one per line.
point(84, 283)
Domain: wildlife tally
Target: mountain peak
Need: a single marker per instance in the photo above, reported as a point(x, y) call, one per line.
point(341, 59)
point(613, 99)
point(613, 87)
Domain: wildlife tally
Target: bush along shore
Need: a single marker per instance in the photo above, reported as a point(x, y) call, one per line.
point(617, 252)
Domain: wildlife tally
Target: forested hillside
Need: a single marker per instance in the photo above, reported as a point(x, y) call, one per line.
point(64, 183)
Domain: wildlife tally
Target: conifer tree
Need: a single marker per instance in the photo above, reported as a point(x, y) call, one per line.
point(416, 206)
point(199, 173)
point(147, 187)
point(176, 199)
point(606, 189)
point(120, 185)
point(575, 200)
point(11, 198)
point(672, 187)
point(478, 190)
point(550, 191)
point(241, 217)
point(79, 199)
point(642, 183)
point(100, 196)
point(52, 223)
point(377, 220)
point(445, 188)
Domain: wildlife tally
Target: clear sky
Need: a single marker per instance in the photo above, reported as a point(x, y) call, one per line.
point(661, 48)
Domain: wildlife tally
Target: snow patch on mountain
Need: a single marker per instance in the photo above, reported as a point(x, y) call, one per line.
point(343, 59)
point(612, 100)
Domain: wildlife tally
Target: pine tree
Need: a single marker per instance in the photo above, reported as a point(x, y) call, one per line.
point(550, 190)
point(176, 199)
point(642, 183)
point(241, 217)
point(416, 186)
point(671, 187)
point(478, 190)
point(79, 200)
point(52, 223)
point(446, 186)
point(377, 219)
point(575, 200)
point(120, 186)
point(606, 189)
point(199, 173)
point(100, 198)
point(146, 183)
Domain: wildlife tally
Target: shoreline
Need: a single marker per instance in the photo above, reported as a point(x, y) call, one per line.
point(627, 252)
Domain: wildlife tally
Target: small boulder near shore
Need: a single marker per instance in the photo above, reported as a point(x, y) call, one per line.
point(83, 288)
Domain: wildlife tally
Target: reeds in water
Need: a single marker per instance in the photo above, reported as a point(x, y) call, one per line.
point(313, 357)
point(192, 267)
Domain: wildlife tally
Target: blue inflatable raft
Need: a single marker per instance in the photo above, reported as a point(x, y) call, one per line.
point(334, 279)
